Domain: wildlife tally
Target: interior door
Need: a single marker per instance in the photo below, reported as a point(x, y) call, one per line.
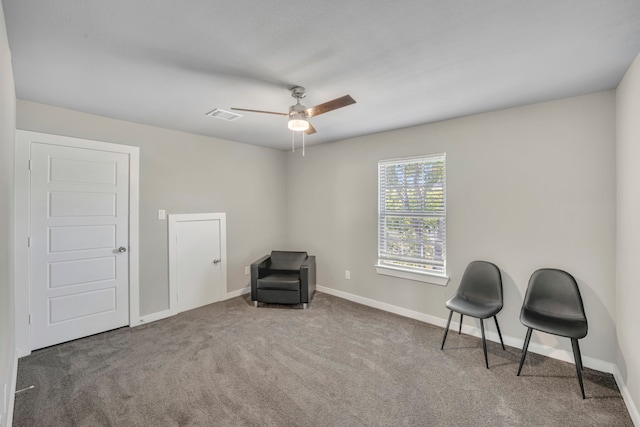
point(199, 263)
point(79, 207)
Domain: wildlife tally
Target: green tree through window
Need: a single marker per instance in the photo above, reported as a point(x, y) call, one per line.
point(412, 213)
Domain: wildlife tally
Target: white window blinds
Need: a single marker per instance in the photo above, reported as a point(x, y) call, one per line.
point(412, 214)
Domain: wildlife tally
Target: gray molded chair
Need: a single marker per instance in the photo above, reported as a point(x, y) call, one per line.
point(284, 277)
point(553, 304)
point(479, 295)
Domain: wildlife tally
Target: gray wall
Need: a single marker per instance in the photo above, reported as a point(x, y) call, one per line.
point(528, 187)
point(628, 223)
point(186, 173)
point(7, 134)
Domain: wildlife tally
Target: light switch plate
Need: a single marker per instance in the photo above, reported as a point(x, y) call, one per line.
point(162, 214)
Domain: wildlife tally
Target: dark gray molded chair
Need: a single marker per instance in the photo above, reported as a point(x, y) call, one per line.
point(284, 277)
point(553, 304)
point(479, 295)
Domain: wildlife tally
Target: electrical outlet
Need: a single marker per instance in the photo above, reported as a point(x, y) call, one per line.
point(246, 270)
point(347, 274)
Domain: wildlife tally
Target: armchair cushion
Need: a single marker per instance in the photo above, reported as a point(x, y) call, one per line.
point(280, 281)
point(287, 261)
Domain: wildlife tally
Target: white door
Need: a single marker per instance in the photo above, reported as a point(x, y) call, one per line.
point(198, 264)
point(79, 208)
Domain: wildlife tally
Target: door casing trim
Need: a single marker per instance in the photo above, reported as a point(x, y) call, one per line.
point(21, 236)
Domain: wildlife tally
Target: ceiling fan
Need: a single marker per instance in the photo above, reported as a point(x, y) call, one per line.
point(299, 114)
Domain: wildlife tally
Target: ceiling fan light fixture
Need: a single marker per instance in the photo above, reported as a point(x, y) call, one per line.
point(298, 125)
point(298, 122)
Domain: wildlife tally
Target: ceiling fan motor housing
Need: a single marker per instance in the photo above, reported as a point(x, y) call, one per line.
point(298, 112)
point(298, 92)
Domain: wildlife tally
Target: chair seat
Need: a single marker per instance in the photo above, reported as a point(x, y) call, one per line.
point(472, 307)
point(568, 326)
point(280, 282)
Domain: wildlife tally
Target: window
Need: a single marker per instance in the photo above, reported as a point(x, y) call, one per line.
point(412, 216)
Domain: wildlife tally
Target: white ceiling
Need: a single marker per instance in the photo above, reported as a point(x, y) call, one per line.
point(406, 62)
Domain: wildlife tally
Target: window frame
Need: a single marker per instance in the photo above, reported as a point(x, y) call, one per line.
point(384, 263)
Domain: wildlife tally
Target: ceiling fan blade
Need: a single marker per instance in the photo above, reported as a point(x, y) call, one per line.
point(311, 130)
point(259, 111)
point(334, 104)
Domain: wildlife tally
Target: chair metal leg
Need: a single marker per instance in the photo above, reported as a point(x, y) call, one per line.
point(484, 344)
point(524, 349)
point(460, 326)
point(499, 334)
point(446, 330)
point(578, 358)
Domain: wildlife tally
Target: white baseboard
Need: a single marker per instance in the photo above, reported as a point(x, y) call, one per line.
point(238, 293)
point(148, 318)
point(589, 362)
point(384, 306)
point(624, 391)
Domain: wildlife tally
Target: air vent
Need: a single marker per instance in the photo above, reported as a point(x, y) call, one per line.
point(223, 114)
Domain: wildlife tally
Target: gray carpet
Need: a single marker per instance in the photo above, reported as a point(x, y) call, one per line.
point(336, 364)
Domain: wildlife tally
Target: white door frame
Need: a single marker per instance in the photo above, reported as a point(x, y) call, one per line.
point(21, 249)
point(173, 254)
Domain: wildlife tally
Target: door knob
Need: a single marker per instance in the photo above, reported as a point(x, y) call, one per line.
point(215, 261)
point(122, 249)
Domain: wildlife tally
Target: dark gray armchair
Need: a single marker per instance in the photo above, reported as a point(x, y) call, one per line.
point(284, 277)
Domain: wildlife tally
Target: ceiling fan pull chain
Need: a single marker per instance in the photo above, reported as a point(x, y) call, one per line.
point(302, 143)
point(293, 142)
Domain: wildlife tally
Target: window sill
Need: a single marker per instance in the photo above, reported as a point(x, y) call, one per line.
point(434, 279)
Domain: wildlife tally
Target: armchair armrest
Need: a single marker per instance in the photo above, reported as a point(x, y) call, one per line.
point(307, 278)
point(262, 263)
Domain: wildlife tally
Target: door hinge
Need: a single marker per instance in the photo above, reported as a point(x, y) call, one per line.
point(29, 319)
point(28, 242)
point(29, 164)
